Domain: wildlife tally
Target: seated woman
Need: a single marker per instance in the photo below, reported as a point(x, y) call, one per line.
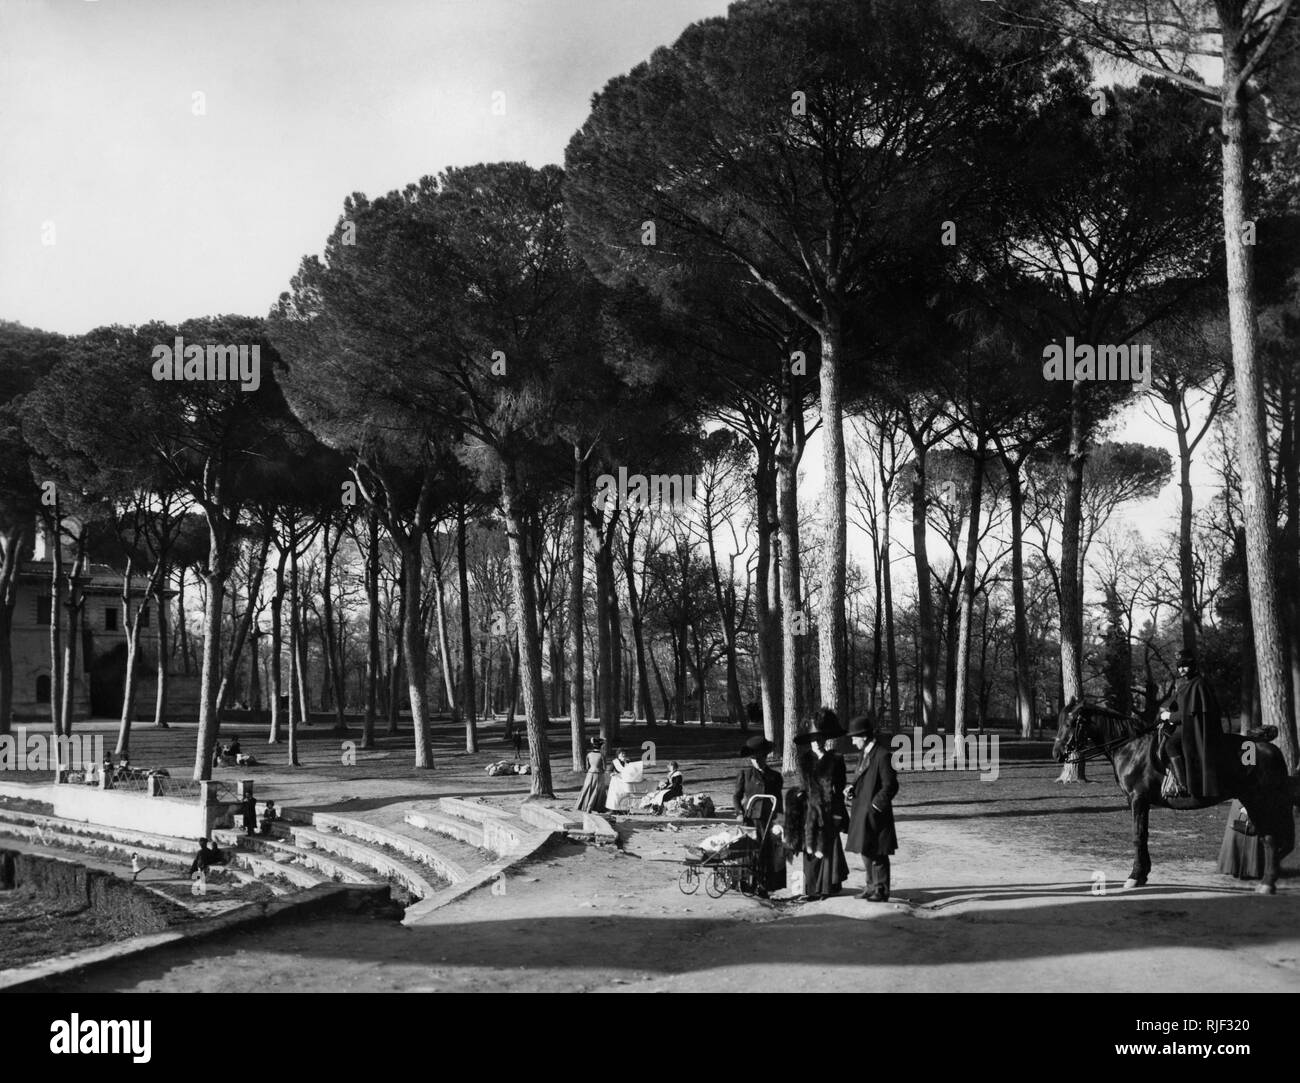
point(670, 788)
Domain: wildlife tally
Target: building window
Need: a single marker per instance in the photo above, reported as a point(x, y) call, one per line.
point(110, 619)
point(43, 686)
point(43, 609)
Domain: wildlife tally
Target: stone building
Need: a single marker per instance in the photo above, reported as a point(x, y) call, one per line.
point(100, 673)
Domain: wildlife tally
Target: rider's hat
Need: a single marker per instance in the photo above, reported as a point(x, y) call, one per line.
point(758, 747)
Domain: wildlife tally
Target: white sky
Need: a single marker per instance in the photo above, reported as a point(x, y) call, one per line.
point(158, 213)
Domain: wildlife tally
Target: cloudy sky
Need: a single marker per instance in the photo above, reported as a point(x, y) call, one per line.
point(163, 159)
point(158, 212)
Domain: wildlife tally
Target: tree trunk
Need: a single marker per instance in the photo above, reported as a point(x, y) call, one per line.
point(521, 573)
point(1020, 634)
point(968, 600)
point(56, 625)
point(467, 699)
point(793, 628)
point(768, 642)
point(1252, 441)
point(131, 622)
point(891, 651)
point(162, 675)
point(831, 627)
point(928, 662)
point(296, 700)
point(638, 634)
point(256, 569)
point(416, 651)
point(277, 646)
point(76, 608)
point(1071, 578)
point(215, 579)
point(373, 661)
point(333, 653)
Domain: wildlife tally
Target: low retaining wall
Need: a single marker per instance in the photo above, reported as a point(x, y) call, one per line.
point(125, 908)
point(126, 809)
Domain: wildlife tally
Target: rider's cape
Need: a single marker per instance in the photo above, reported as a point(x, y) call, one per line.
point(1198, 711)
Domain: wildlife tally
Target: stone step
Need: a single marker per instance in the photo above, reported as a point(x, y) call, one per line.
point(428, 819)
point(503, 832)
point(363, 852)
point(331, 869)
point(549, 819)
point(118, 852)
point(412, 849)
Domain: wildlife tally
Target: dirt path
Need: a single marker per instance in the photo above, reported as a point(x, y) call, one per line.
point(977, 909)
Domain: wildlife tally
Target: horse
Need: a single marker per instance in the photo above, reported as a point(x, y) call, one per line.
point(1255, 769)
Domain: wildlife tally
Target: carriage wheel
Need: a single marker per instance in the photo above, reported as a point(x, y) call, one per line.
point(688, 880)
point(716, 885)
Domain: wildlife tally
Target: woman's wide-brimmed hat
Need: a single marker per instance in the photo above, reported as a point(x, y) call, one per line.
point(595, 742)
point(862, 726)
point(757, 747)
point(824, 729)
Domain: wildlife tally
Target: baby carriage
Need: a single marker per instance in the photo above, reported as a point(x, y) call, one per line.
point(738, 862)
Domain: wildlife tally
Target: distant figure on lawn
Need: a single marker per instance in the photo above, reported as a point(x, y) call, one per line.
point(592, 797)
point(249, 811)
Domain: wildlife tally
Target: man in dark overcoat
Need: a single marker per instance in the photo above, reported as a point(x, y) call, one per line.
point(1193, 731)
point(871, 818)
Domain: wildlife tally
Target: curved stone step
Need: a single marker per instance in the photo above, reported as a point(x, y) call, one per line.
point(286, 852)
point(428, 819)
point(362, 853)
point(119, 852)
point(503, 832)
point(414, 849)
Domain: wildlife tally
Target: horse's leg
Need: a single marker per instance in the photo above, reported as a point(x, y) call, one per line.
point(1141, 856)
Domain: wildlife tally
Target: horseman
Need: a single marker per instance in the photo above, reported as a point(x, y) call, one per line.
point(1192, 728)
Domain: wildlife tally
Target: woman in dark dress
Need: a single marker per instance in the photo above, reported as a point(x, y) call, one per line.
point(757, 778)
point(822, 774)
point(1242, 854)
point(592, 797)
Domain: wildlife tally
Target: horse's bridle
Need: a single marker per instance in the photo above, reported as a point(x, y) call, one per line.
point(1076, 752)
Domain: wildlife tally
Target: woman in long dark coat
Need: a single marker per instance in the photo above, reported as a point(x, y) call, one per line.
point(592, 797)
point(757, 778)
point(823, 776)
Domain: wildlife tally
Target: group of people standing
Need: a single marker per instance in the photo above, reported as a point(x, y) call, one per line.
point(823, 806)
